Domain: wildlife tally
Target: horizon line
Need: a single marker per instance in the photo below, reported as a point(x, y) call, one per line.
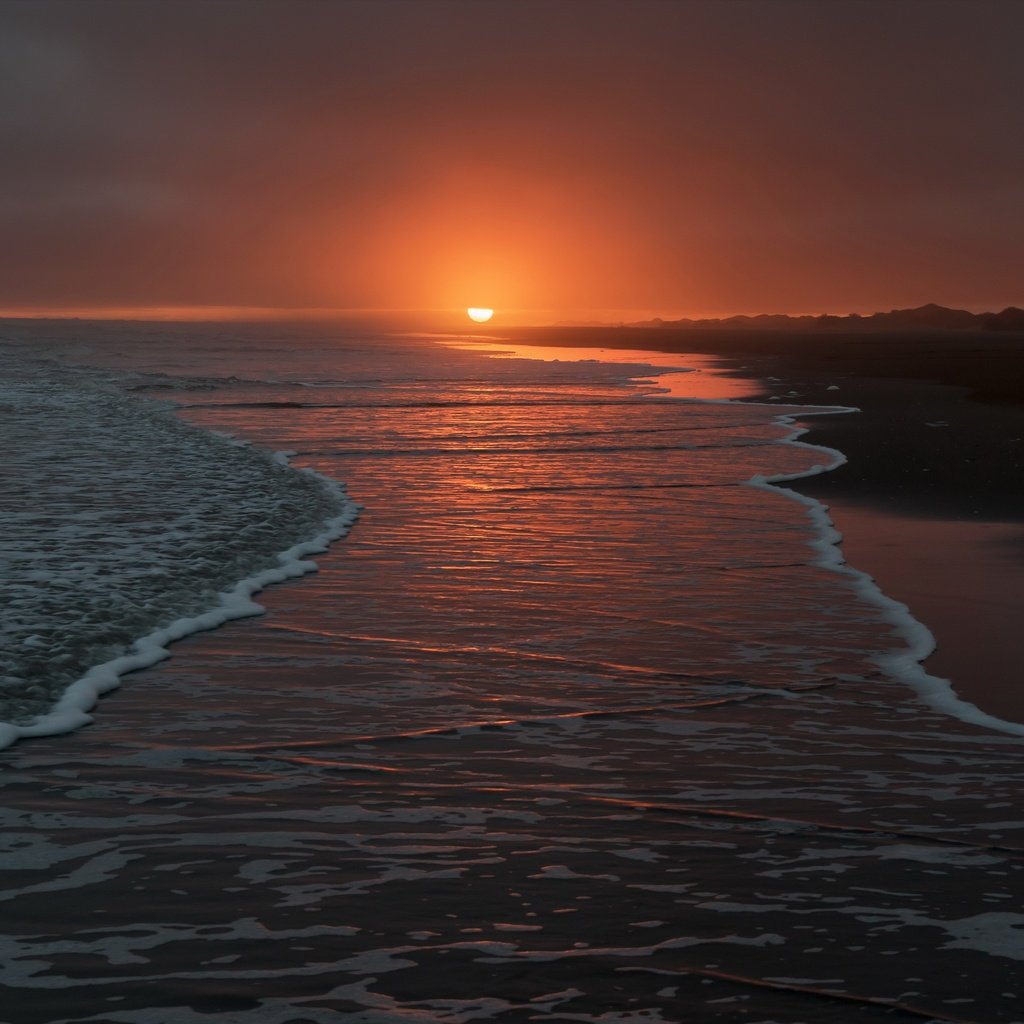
point(199, 313)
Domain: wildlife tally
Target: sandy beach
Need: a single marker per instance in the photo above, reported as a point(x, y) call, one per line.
point(931, 499)
point(573, 723)
point(955, 451)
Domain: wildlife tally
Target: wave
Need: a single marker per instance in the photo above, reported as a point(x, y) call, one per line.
point(904, 666)
point(127, 528)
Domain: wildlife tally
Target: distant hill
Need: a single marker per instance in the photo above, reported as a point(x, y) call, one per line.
point(928, 317)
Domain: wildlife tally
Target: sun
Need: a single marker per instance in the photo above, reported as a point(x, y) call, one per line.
point(481, 316)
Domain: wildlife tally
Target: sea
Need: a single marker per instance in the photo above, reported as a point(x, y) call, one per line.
point(362, 675)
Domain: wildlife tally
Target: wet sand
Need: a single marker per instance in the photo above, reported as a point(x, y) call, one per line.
point(931, 500)
point(965, 580)
point(941, 426)
point(460, 775)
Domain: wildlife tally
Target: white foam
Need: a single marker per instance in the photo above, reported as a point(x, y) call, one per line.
point(237, 601)
point(72, 710)
point(905, 665)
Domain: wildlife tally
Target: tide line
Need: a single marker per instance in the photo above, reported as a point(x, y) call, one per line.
point(72, 710)
point(904, 666)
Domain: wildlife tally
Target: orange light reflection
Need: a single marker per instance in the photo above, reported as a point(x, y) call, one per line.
point(708, 379)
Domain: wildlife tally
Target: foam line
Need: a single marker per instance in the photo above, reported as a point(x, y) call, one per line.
point(72, 710)
point(904, 666)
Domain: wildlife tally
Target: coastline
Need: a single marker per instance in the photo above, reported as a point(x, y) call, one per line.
point(930, 500)
point(947, 404)
point(457, 768)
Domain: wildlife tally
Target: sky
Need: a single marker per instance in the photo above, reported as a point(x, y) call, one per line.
point(669, 158)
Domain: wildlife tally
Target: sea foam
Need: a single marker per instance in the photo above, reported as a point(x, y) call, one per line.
point(126, 528)
point(905, 665)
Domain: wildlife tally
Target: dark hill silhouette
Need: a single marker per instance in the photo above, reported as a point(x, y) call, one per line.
point(928, 317)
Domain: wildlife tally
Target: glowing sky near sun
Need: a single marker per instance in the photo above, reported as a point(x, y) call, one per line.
point(692, 157)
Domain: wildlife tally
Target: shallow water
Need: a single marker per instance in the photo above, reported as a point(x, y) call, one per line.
point(571, 726)
point(120, 518)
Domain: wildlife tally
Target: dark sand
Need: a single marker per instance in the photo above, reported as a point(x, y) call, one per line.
point(931, 499)
point(916, 448)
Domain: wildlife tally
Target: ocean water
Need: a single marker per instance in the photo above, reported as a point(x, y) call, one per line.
point(582, 719)
point(120, 519)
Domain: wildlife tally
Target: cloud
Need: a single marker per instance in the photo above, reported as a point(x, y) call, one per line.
point(703, 154)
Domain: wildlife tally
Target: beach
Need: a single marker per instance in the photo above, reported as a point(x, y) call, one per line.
point(511, 512)
point(576, 723)
point(909, 386)
point(931, 498)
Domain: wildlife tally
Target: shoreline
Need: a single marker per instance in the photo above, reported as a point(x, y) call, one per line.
point(948, 404)
point(930, 499)
point(509, 737)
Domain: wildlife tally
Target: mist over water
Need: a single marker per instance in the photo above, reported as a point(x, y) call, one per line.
point(571, 723)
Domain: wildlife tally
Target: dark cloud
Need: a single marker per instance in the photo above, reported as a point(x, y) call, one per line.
point(692, 156)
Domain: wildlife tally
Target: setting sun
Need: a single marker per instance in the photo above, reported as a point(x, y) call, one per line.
point(481, 316)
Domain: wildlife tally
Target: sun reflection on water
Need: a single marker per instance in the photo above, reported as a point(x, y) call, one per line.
point(692, 375)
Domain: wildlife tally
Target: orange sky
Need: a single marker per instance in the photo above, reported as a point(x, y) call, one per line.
point(683, 159)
